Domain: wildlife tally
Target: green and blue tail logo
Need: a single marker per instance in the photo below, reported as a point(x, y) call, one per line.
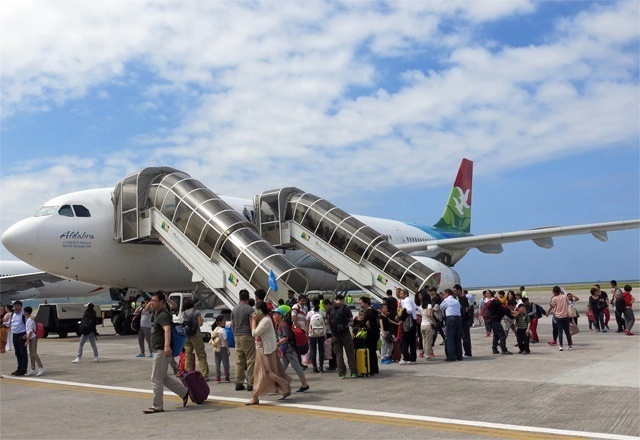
point(457, 213)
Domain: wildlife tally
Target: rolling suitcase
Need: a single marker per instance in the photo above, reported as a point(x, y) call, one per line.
point(362, 361)
point(198, 387)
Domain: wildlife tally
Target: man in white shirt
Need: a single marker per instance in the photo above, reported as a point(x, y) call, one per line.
point(17, 323)
point(408, 342)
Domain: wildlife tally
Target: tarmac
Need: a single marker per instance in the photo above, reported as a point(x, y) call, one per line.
point(592, 391)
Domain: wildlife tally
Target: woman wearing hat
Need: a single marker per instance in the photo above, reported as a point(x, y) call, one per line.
point(88, 332)
point(268, 374)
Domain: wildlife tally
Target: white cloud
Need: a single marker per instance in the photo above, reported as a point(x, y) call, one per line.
point(294, 96)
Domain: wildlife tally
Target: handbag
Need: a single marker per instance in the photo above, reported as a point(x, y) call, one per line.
point(573, 329)
point(573, 313)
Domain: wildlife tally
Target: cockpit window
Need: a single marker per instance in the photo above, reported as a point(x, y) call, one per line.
point(46, 210)
point(81, 211)
point(66, 211)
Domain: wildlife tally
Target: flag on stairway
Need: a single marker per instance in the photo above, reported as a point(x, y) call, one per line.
point(272, 281)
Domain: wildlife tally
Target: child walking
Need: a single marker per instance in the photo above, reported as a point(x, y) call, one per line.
point(221, 348)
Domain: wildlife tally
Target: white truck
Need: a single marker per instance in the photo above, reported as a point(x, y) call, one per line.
point(203, 302)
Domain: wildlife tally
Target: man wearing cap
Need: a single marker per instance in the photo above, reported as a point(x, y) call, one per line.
point(245, 344)
point(340, 317)
point(291, 300)
point(408, 318)
point(18, 326)
point(89, 332)
point(453, 326)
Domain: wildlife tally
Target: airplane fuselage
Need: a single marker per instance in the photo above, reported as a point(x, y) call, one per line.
point(83, 248)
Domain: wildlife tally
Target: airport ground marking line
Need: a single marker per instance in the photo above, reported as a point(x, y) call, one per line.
point(351, 411)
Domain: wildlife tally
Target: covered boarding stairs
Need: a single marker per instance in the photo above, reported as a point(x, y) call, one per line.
point(220, 247)
point(289, 217)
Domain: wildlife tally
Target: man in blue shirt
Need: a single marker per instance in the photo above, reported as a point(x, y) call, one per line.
point(453, 326)
point(18, 326)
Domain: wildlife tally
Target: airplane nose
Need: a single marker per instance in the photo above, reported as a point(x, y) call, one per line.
point(21, 239)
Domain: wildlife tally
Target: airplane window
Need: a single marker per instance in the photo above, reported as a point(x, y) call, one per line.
point(81, 211)
point(46, 210)
point(66, 211)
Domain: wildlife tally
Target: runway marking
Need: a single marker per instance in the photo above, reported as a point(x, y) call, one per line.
point(487, 429)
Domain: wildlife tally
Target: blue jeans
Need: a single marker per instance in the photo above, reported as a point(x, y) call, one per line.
point(453, 329)
point(599, 320)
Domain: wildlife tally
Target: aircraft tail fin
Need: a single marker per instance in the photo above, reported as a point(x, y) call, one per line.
point(457, 213)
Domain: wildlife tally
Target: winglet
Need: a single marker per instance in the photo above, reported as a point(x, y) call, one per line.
point(457, 213)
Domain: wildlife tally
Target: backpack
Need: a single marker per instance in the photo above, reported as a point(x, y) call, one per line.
point(300, 340)
point(39, 330)
point(437, 313)
point(339, 320)
point(317, 326)
point(189, 323)
point(86, 325)
point(485, 313)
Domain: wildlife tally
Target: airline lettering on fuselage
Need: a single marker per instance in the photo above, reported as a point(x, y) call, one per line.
point(78, 240)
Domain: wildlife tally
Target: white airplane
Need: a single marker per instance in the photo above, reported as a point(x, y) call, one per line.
point(19, 281)
point(72, 236)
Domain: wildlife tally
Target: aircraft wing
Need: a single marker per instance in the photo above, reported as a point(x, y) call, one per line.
point(543, 237)
point(18, 283)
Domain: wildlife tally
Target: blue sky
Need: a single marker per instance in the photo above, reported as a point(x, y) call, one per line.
point(370, 105)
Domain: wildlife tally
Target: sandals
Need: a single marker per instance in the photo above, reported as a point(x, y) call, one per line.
point(252, 402)
point(152, 410)
point(284, 396)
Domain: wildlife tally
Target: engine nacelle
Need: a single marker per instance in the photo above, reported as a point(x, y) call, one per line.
point(448, 276)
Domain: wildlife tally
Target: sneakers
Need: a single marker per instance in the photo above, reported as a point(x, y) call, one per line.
point(95, 359)
point(31, 373)
point(218, 380)
point(239, 387)
point(487, 334)
point(150, 355)
point(341, 376)
point(552, 342)
point(140, 355)
point(302, 389)
point(628, 333)
point(421, 354)
point(40, 372)
point(226, 380)
point(354, 375)
point(249, 387)
point(76, 360)
point(432, 355)
point(570, 347)
point(403, 362)
point(560, 348)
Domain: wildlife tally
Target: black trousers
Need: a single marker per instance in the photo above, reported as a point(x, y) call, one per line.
point(408, 345)
point(21, 351)
point(523, 339)
point(499, 336)
point(466, 337)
